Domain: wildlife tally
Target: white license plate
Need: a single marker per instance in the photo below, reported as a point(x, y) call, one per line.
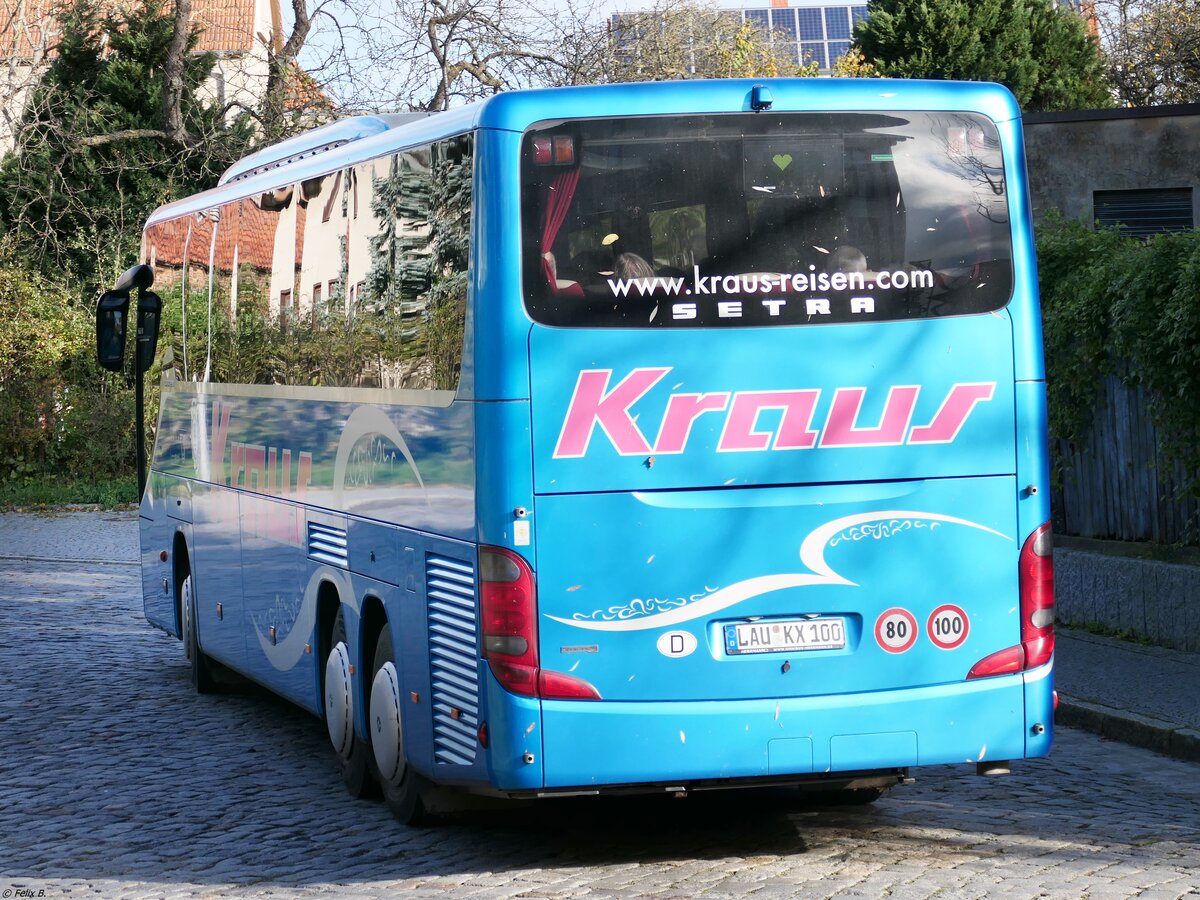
point(786, 635)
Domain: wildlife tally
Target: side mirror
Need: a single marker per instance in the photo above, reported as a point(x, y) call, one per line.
point(149, 307)
point(112, 317)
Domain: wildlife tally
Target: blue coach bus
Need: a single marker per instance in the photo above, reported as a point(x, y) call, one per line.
point(645, 437)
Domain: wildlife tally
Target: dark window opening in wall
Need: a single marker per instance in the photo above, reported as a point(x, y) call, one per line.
point(1144, 212)
point(286, 309)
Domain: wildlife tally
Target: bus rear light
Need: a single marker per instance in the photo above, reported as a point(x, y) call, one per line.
point(1037, 597)
point(508, 614)
point(482, 734)
point(554, 151)
point(1036, 585)
point(1004, 662)
point(560, 686)
point(564, 150)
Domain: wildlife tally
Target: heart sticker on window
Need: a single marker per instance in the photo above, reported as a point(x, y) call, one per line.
point(782, 160)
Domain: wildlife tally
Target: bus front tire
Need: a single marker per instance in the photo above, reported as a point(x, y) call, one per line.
point(403, 788)
point(202, 674)
point(352, 754)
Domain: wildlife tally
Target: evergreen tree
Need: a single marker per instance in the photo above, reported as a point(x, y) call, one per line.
point(1071, 66)
point(1040, 51)
point(92, 159)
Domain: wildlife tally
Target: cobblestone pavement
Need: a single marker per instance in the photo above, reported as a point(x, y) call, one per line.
point(117, 780)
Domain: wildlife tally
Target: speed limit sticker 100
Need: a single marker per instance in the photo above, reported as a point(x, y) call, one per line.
point(896, 630)
point(948, 626)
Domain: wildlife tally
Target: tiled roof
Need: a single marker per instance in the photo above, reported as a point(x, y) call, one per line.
point(228, 24)
point(27, 25)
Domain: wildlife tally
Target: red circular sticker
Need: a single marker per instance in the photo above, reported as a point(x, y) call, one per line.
point(896, 630)
point(948, 626)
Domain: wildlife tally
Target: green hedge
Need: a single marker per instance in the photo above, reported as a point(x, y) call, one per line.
point(61, 418)
point(1113, 303)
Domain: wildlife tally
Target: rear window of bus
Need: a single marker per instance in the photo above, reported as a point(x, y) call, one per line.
point(763, 219)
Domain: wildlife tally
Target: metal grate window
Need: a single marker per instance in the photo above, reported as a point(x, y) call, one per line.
point(1145, 212)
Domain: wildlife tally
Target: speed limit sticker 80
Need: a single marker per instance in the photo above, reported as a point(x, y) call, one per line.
point(948, 626)
point(896, 630)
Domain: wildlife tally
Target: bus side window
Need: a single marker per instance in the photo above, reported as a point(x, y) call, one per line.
point(166, 245)
point(450, 243)
point(199, 246)
point(410, 256)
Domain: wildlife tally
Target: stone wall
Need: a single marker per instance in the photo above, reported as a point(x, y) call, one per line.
point(1072, 154)
point(1159, 601)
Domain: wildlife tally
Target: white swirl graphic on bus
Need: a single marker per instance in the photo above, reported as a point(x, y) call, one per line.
point(880, 530)
point(812, 554)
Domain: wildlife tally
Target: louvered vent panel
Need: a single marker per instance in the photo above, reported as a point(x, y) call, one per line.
point(328, 545)
point(453, 659)
point(1145, 212)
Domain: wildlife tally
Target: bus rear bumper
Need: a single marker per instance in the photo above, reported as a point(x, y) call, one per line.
point(620, 743)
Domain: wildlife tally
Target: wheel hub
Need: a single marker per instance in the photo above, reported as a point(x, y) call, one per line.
point(387, 740)
point(339, 709)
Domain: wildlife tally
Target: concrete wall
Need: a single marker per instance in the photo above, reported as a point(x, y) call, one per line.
point(1072, 154)
point(1156, 600)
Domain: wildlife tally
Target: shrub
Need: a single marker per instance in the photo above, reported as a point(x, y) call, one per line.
point(1114, 303)
point(60, 416)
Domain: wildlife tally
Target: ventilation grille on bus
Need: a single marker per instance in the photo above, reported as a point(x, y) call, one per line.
point(453, 659)
point(327, 544)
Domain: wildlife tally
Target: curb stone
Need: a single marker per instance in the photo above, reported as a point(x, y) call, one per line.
point(1130, 728)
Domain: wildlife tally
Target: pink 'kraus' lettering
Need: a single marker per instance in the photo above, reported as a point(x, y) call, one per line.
point(237, 464)
point(841, 428)
point(256, 468)
point(682, 412)
point(793, 434)
point(216, 450)
point(593, 404)
point(952, 415)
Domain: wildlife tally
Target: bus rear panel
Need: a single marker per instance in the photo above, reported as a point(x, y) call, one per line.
point(775, 427)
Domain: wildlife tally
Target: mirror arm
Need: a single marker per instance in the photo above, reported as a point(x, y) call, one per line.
point(139, 276)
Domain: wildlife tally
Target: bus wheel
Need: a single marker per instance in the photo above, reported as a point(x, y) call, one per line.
point(339, 713)
point(203, 678)
point(402, 786)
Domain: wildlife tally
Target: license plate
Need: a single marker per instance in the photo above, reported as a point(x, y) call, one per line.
point(786, 635)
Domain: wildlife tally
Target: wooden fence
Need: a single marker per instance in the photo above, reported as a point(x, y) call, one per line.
point(1119, 485)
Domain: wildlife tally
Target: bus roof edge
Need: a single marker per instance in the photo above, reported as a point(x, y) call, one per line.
point(316, 141)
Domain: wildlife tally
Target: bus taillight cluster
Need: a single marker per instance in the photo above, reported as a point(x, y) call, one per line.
point(508, 613)
point(1036, 568)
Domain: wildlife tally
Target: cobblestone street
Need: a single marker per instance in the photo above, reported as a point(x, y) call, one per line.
point(117, 779)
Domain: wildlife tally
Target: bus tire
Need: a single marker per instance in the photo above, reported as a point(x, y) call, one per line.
point(338, 688)
point(403, 788)
point(203, 670)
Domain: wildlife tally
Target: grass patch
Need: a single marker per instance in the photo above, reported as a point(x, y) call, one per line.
point(28, 493)
point(1124, 634)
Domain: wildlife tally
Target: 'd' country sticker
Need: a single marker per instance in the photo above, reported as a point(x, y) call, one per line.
point(948, 626)
point(896, 630)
